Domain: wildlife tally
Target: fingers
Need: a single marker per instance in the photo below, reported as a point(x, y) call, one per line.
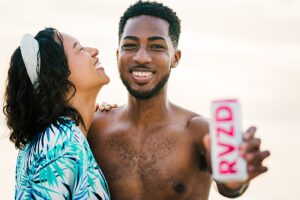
point(250, 133)
point(107, 107)
point(102, 108)
point(114, 105)
point(255, 160)
point(250, 149)
point(257, 157)
point(256, 170)
point(250, 145)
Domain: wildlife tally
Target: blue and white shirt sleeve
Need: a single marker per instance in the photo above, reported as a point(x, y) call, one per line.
point(61, 166)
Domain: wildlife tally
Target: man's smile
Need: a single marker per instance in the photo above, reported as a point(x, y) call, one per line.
point(141, 76)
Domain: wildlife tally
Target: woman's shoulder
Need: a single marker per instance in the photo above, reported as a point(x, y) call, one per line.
point(58, 138)
point(56, 133)
point(59, 162)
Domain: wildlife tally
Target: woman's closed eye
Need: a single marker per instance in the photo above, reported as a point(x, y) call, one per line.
point(81, 48)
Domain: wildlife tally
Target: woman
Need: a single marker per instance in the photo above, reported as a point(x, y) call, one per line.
point(50, 100)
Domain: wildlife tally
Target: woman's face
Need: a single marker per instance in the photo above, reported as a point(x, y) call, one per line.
point(84, 65)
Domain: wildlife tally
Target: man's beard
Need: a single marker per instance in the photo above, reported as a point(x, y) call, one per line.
point(143, 95)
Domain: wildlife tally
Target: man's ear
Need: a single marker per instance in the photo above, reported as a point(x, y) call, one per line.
point(176, 58)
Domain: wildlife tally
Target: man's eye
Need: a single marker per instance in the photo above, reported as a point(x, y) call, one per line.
point(129, 46)
point(157, 47)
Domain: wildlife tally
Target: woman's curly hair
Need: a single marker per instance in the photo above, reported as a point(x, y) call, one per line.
point(30, 110)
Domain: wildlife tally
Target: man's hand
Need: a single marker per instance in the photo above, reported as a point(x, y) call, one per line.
point(105, 107)
point(250, 149)
point(254, 157)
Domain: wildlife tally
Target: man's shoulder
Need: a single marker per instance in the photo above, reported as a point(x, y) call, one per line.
point(106, 116)
point(199, 123)
point(102, 121)
point(192, 118)
point(194, 121)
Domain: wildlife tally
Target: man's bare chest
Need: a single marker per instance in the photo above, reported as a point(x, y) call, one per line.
point(164, 162)
point(160, 158)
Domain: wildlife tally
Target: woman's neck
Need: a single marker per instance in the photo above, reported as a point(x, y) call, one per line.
point(85, 105)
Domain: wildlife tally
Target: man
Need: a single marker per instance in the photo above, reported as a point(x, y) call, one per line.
point(151, 149)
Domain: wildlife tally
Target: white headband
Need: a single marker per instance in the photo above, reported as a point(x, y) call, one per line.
point(31, 56)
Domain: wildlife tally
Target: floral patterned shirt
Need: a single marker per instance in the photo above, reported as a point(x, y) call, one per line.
point(58, 164)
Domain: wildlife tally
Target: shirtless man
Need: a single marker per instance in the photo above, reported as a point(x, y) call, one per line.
point(151, 149)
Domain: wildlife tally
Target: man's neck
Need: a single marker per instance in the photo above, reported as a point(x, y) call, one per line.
point(146, 111)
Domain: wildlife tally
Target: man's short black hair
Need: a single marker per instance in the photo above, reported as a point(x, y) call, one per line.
point(153, 9)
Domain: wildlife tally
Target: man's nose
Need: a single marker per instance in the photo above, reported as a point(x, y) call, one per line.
point(142, 56)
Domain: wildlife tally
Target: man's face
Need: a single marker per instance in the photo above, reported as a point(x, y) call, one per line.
point(146, 55)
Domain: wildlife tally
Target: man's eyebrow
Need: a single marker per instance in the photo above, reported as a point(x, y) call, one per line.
point(74, 45)
point(131, 38)
point(153, 38)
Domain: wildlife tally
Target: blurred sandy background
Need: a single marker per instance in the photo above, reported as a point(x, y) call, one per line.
point(249, 49)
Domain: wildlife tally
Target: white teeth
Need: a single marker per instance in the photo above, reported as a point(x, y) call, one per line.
point(142, 74)
point(98, 65)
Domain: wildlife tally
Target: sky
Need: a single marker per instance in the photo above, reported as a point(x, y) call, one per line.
point(245, 49)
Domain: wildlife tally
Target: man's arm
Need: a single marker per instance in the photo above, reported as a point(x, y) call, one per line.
point(250, 148)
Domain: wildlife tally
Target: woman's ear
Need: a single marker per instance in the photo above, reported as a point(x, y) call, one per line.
point(176, 58)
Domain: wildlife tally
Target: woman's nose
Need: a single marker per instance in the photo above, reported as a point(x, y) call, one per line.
point(92, 51)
